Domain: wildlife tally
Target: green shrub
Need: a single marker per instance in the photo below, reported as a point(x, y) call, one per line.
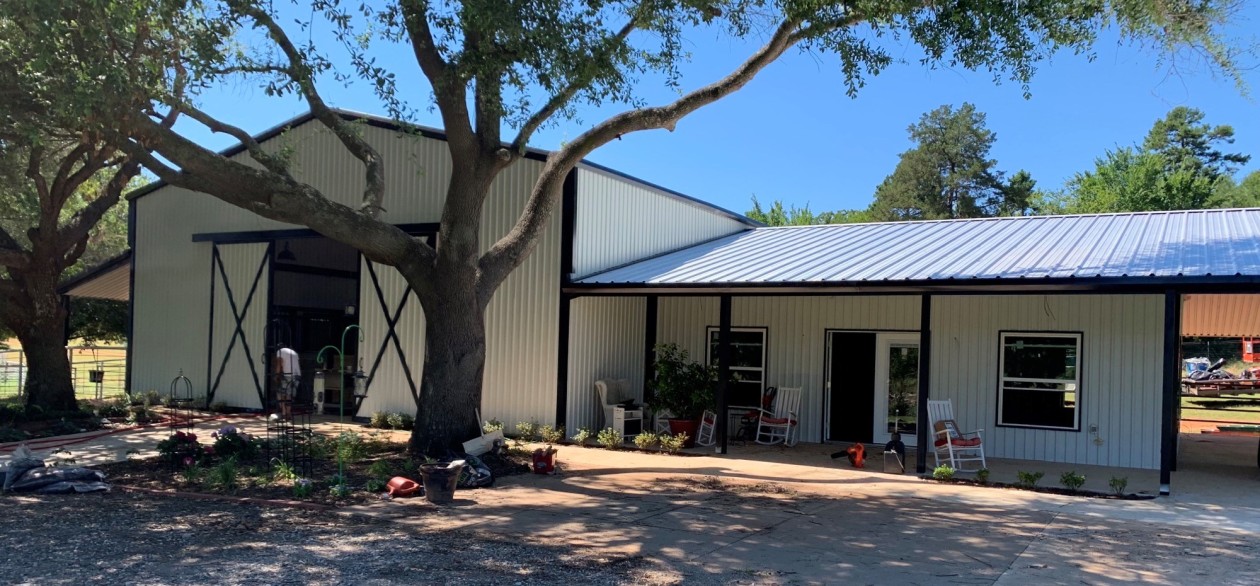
point(943, 472)
point(582, 436)
point(281, 470)
point(1118, 484)
point(302, 488)
point(672, 443)
point(193, 473)
point(526, 431)
point(492, 425)
point(405, 421)
point(609, 438)
point(379, 420)
point(1028, 479)
point(350, 447)
point(645, 440)
point(394, 421)
point(982, 476)
point(219, 407)
point(115, 408)
point(1072, 481)
point(230, 442)
point(9, 434)
point(550, 434)
point(225, 476)
point(181, 448)
point(375, 485)
point(380, 470)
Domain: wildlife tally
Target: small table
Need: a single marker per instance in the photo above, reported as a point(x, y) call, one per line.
point(627, 418)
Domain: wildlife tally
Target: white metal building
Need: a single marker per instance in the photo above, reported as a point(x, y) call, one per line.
point(1058, 335)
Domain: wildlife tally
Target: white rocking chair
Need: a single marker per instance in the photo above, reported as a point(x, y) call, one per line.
point(706, 433)
point(956, 447)
point(781, 425)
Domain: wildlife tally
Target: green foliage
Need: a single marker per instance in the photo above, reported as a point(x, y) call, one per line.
point(1072, 481)
point(779, 215)
point(550, 434)
point(672, 443)
point(948, 174)
point(1244, 194)
point(1028, 479)
point(380, 470)
point(114, 408)
point(379, 420)
point(225, 475)
point(1118, 484)
point(982, 476)
point(682, 387)
point(582, 436)
point(193, 473)
point(645, 440)
point(943, 472)
point(9, 434)
point(609, 438)
point(181, 448)
point(350, 447)
point(281, 470)
point(98, 320)
point(492, 425)
point(375, 485)
point(391, 420)
point(231, 442)
point(302, 488)
point(526, 431)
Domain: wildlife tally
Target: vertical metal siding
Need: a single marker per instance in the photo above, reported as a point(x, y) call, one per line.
point(795, 336)
point(1119, 363)
point(619, 221)
point(237, 385)
point(389, 389)
point(605, 341)
point(523, 317)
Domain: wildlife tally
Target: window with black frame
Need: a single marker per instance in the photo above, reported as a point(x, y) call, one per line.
point(748, 364)
point(1040, 382)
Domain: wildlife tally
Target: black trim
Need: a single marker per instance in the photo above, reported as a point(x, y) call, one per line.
point(391, 334)
point(925, 389)
point(214, 260)
point(309, 270)
point(1080, 381)
point(568, 223)
point(122, 258)
point(562, 361)
point(650, 316)
point(131, 296)
point(274, 344)
point(687, 199)
point(415, 229)
point(1128, 285)
point(724, 368)
point(1171, 391)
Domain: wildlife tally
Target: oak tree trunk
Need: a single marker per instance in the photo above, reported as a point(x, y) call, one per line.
point(450, 389)
point(39, 323)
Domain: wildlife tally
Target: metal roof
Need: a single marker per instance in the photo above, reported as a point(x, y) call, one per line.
point(108, 280)
point(1130, 247)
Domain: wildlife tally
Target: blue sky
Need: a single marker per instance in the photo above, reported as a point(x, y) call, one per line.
point(793, 134)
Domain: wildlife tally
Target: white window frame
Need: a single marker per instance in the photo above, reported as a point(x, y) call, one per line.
point(765, 335)
point(1070, 386)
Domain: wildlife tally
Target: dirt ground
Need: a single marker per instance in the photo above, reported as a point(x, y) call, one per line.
point(679, 530)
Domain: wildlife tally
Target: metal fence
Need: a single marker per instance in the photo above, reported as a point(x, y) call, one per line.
point(96, 373)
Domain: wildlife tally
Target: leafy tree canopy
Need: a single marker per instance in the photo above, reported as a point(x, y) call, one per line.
point(780, 215)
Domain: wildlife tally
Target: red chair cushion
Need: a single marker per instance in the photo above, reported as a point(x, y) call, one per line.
point(778, 421)
point(961, 442)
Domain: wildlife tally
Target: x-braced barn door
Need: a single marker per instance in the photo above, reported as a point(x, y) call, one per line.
point(393, 339)
point(239, 283)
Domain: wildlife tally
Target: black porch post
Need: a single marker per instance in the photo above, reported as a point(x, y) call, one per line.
point(925, 371)
point(649, 347)
point(562, 362)
point(1172, 389)
point(724, 367)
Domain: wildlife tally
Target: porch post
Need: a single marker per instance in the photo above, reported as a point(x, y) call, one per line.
point(1172, 389)
point(562, 361)
point(724, 367)
point(649, 347)
point(923, 438)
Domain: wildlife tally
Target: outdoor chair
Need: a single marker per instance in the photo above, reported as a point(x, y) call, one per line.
point(706, 434)
point(780, 424)
point(954, 446)
point(618, 406)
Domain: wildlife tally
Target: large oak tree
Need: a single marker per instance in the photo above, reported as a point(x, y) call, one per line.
point(498, 70)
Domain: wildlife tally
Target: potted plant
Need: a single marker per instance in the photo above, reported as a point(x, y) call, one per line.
point(683, 388)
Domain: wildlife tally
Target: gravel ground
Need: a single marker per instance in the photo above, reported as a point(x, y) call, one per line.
point(130, 538)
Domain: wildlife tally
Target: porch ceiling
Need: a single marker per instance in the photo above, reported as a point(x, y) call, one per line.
point(1220, 316)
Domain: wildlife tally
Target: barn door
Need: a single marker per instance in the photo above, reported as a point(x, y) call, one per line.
point(238, 320)
point(392, 350)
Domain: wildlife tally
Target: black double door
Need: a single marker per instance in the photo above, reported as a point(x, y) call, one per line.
point(852, 401)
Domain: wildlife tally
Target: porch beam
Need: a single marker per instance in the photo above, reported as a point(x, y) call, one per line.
point(562, 361)
point(649, 346)
point(1172, 389)
point(925, 372)
point(724, 368)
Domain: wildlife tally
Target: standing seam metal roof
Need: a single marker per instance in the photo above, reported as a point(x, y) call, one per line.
point(1196, 243)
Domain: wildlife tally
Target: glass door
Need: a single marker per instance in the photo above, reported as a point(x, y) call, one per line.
point(897, 388)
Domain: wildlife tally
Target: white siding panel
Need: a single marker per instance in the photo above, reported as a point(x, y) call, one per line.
point(389, 389)
point(795, 336)
point(618, 221)
point(1119, 364)
point(238, 367)
point(605, 341)
point(522, 335)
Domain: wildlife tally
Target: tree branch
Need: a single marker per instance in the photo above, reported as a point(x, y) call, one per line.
point(80, 225)
point(449, 90)
point(512, 249)
point(373, 165)
point(272, 163)
point(561, 98)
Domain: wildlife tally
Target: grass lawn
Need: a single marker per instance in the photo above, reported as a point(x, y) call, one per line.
point(1242, 410)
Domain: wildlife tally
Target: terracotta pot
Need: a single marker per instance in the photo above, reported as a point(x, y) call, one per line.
point(687, 426)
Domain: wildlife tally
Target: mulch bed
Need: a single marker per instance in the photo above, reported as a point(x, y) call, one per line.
point(255, 481)
point(1051, 490)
